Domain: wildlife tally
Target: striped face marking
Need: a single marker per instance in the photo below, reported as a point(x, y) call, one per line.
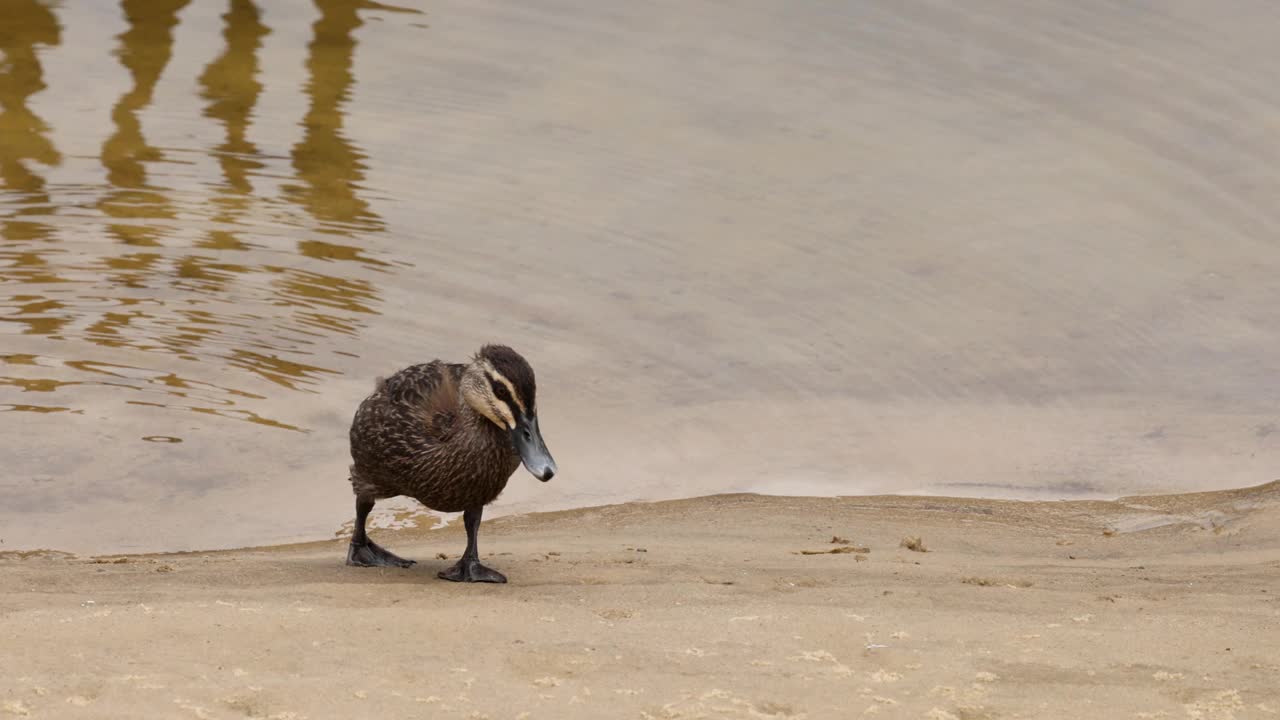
point(501, 387)
point(505, 397)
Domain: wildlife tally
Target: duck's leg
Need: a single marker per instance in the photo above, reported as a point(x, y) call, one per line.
point(364, 552)
point(469, 569)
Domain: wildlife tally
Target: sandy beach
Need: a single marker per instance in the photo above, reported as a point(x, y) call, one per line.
point(1147, 607)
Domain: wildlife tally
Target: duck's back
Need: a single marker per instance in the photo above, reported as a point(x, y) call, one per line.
point(412, 437)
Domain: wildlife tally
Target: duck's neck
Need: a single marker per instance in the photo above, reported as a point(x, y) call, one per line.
point(475, 425)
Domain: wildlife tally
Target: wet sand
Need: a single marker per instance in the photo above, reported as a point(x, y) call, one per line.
point(1148, 607)
point(1010, 249)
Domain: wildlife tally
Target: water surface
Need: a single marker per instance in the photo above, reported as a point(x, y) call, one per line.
point(1022, 250)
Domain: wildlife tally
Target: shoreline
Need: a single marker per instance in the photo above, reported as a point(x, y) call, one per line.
point(721, 606)
point(888, 500)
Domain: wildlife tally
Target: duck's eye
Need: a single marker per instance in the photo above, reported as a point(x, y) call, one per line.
point(528, 435)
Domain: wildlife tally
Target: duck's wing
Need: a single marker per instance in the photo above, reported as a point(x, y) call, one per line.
point(428, 392)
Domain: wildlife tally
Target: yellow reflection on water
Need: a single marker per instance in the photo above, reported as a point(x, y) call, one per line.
point(26, 25)
point(328, 164)
point(171, 259)
point(145, 49)
point(19, 407)
point(171, 390)
point(231, 85)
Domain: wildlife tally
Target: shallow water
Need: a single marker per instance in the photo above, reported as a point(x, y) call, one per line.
point(1017, 250)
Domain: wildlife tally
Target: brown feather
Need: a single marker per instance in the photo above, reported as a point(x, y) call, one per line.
point(417, 436)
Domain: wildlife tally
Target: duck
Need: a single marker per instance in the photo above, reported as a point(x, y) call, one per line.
point(449, 435)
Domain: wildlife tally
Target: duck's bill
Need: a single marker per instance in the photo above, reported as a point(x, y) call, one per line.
point(533, 451)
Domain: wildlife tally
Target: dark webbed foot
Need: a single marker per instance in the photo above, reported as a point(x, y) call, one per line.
point(471, 571)
point(370, 554)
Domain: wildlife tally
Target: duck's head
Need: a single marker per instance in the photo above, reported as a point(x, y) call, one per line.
point(499, 385)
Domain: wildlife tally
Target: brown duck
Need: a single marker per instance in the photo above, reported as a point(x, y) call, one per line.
point(449, 436)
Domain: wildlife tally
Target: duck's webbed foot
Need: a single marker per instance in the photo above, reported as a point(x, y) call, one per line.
point(364, 552)
point(370, 554)
point(468, 570)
